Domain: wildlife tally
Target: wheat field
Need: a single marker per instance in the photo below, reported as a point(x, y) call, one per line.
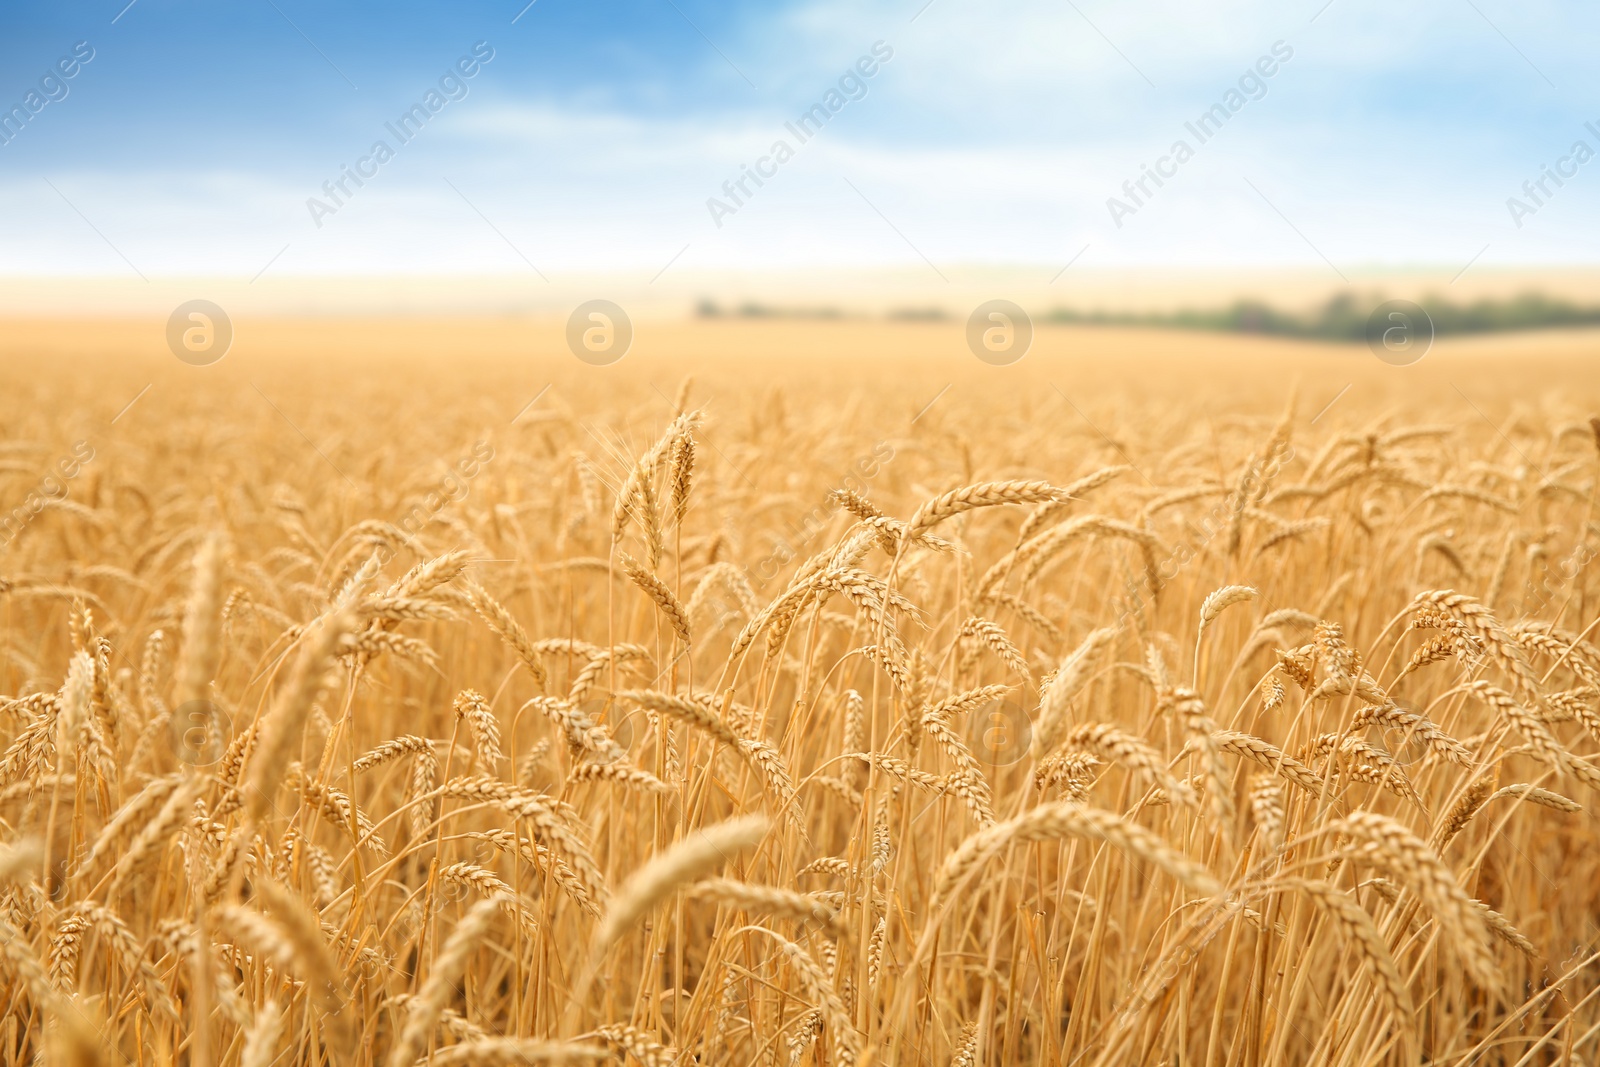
point(796, 694)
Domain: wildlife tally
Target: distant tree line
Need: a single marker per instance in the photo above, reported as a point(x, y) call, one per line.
point(1344, 317)
point(1341, 318)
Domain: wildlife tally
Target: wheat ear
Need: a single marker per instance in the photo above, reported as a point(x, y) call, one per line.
point(447, 967)
point(695, 855)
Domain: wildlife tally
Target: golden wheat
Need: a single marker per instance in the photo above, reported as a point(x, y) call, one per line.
point(737, 735)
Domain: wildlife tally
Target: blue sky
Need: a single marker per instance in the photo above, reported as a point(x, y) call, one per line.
point(193, 140)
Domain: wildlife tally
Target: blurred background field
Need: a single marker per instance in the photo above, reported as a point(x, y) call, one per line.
point(841, 291)
point(843, 356)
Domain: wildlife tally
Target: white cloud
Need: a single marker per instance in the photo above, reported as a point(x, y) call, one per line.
point(995, 134)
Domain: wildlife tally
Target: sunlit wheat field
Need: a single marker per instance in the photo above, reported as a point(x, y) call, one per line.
point(796, 693)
